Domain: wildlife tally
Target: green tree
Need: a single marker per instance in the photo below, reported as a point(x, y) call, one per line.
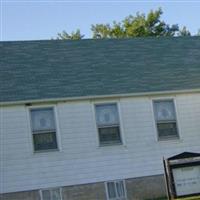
point(184, 32)
point(73, 36)
point(140, 25)
point(136, 26)
point(198, 33)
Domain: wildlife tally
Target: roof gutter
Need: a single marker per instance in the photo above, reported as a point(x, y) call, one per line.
point(139, 94)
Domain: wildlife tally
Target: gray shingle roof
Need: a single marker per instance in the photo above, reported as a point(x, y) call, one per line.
point(33, 70)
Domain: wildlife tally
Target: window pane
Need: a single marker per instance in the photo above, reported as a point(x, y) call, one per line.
point(167, 130)
point(42, 119)
point(46, 195)
point(164, 110)
point(45, 141)
point(109, 135)
point(107, 114)
point(55, 194)
point(120, 189)
point(111, 190)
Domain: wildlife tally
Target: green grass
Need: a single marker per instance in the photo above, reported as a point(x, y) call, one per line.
point(188, 198)
point(160, 198)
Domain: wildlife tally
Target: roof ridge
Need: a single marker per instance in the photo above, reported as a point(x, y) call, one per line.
point(105, 39)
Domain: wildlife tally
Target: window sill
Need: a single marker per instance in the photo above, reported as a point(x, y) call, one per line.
point(170, 139)
point(46, 151)
point(111, 145)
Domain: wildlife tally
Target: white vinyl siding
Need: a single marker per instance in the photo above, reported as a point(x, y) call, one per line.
point(43, 128)
point(165, 117)
point(116, 190)
point(107, 119)
point(81, 161)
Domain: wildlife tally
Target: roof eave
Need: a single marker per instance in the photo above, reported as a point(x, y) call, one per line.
point(93, 97)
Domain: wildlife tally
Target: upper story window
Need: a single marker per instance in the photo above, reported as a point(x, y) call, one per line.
point(51, 194)
point(43, 129)
point(165, 116)
point(116, 190)
point(107, 119)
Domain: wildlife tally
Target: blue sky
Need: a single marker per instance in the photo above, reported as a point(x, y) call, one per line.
point(39, 19)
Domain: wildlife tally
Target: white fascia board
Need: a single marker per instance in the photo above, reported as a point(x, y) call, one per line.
point(139, 94)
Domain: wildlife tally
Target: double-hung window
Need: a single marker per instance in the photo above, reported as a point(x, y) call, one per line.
point(107, 119)
point(165, 116)
point(51, 194)
point(116, 190)
point(43, 129)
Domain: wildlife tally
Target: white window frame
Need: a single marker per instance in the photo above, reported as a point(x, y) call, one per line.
point(58, 139)
point(96, 103)
point(41, 190)
point(115, 181)
point(155, 121)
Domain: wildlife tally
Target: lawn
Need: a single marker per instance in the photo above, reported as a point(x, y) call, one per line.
point(188, 198)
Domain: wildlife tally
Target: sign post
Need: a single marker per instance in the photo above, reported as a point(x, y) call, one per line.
point(182, 175)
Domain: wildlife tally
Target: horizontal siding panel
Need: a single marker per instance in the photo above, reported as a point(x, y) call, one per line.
point(80, 159)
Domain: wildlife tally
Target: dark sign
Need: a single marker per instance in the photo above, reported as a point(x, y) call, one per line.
point(182, 175)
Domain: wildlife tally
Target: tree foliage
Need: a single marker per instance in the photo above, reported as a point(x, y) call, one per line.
point(136, 26)
point(140, 25)
point(73, 36)
point(184, 32)
point(198, 33)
